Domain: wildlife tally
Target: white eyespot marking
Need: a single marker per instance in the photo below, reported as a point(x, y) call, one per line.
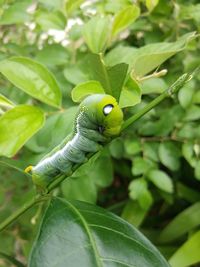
point(107, 109)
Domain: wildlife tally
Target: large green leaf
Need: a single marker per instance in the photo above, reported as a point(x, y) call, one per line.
point(150, 56)
point(145, 59)
point(75, 234)
point(33, 78)
point(5, 102)
point(111, 78)
point(15, 13)
point(182, 223)
point(51, 20)
point(161, 180)
point(87, 88)
point(96, 33)
point(17, 126)
point(188, 254)
point(124, 18)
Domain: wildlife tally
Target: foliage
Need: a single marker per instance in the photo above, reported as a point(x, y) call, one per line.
point(55, 52)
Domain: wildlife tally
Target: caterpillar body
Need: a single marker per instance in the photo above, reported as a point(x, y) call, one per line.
point(99, 118)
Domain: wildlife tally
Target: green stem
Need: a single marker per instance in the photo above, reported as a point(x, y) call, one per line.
point(36, 199)
point(169, 92)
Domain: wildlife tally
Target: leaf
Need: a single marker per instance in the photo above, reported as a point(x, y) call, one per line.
point(188, 253)
point(181, 224)
point(185, 95)
point(151, 4)
point(193, 113)
point(15, 14)
point(124, 18)
point(84, 89)
point(153, 86)
point(161, 180)
point(59, 55)
point(57, 127)
point(139, 191)
point(17, 126)
point(117, 76)
point(121, 54)
point(51, 20)
point(5, 102)
point(133, 213)
point(33, 78)
point(111, 78)
point(99, 238)
point(187, 193)
point(75, 75)
point(72, 5)
point(96, 33)
point(151, 56)
point(141, 165)
point(130, 94)
point(169, 154)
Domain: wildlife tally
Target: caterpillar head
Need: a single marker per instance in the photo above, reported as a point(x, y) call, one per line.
point(104, 111)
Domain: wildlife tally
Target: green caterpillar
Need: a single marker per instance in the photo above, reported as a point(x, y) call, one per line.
point(99, 118)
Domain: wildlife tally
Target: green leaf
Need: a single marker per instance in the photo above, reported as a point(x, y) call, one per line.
point(72, 5)
point(81, 188)
point(188, 153)
point(133, 213)
point(99, 238)
point(161, 180)
point(153, 86)
point(151, 56)
point(111, 78)
point(96, 33)
point(139, 191)
point(121, 54)
point(59, 55)
point(75, 75)
point(141, 165)
point(15, 14)
point(84, 89)
point(17, 126)
point(117, 76)
point(181, 224)
point(169, 154)
point(151, 4)
point(5, 102)
point(124, 18)
point(185, 95)
point(130, 94)
point(33, 78)
point(187, 193)
point(51, 20)
point(193, 113)
point(188, 253)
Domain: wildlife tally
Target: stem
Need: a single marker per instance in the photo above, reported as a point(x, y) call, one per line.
point(36, 199)
point(168, 93)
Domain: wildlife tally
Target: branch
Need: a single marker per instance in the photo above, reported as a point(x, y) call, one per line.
point(42, 197)
point(168, 93)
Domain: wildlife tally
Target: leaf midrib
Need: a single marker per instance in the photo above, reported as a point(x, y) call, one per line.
point(87, 228)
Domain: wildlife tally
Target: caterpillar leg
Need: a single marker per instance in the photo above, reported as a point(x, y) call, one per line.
point(28, 169)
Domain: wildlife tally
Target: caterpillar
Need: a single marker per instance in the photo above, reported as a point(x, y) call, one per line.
point(99, 118)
